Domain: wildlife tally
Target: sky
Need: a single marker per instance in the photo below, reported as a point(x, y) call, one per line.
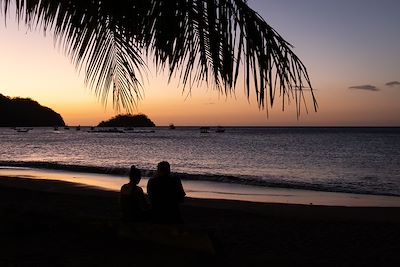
point(350, 48)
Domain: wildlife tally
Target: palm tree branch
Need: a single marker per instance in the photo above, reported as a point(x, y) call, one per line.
point(210, 41)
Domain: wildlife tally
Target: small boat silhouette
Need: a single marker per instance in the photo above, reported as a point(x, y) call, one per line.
point(23, 130)
point(204, 129)
point(108, 130)
point(220, 129)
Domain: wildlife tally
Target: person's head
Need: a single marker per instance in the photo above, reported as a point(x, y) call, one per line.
point(134, 175)
point(163, 168)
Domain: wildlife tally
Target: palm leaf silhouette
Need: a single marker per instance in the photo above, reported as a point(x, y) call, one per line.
point(211, 41)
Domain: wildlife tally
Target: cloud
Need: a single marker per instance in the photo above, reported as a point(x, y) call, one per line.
point(366, 87)
point(393, 84)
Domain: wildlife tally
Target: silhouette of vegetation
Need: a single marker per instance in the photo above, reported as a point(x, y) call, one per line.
point(210, 41)
point(25, 112)
point(139, 120)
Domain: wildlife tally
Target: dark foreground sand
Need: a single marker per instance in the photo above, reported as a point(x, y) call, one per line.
point(51, 223)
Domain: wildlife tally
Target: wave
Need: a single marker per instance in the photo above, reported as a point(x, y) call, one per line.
point(273, 182)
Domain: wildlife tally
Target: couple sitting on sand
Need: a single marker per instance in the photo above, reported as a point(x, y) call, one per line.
point(165, 193)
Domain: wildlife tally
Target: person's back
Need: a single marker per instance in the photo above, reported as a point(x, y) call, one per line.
point(165, 193)
point(132, 199)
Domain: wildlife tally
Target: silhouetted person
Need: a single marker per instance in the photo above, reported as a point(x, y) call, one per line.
point(133, 202)
point(165, 193)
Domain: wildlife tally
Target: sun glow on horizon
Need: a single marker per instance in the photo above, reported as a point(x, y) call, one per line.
point(31, 66)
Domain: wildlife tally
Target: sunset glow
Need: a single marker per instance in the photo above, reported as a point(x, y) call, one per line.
point(337, 49)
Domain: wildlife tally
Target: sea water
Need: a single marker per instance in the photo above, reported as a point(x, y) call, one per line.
point(352, 160)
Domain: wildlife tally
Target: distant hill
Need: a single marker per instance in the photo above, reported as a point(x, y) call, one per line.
point(25, 112)
point(139, 120)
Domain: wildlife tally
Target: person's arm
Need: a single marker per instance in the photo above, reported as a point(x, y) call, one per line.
point(123, 202)
point(149, 189)
point(180, 191)
point(122, 192)
point(143, 203)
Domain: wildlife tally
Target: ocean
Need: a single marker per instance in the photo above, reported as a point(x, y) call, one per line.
point(350, 160)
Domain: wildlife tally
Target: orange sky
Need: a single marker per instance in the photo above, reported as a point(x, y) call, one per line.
point(30, 66)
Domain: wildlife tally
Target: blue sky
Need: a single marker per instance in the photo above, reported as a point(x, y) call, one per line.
point(356, 41)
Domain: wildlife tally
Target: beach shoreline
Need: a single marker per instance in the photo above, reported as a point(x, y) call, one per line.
point(213, 190)
point(56, 223)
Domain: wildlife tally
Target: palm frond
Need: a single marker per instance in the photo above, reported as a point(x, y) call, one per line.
point(212, 41)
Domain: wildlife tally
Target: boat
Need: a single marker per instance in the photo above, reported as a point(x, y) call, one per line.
point(78, 128)
point(171, 126)
point(143, 131)
point(220, 129)
point(112, 130)
point(23, 130)
point(132, 130)
point(204, 129)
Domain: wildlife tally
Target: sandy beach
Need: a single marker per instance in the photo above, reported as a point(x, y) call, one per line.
point(58, 223)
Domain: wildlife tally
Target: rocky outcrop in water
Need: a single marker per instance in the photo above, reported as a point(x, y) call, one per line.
point(139, 120)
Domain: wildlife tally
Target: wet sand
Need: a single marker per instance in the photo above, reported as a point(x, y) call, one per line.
point(54, 223)
point(214, 190)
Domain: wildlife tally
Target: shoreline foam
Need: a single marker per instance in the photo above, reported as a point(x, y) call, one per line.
point(215, 190)
point(279, 183)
